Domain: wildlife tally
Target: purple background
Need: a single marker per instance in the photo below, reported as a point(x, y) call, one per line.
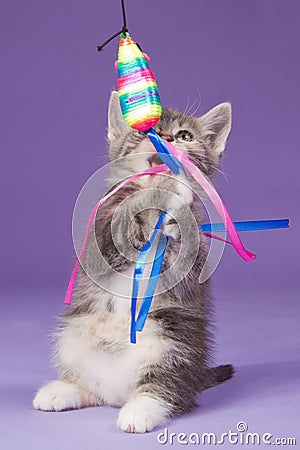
point(54, 93)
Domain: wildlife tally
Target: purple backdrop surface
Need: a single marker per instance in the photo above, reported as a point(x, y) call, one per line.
point(54, 93)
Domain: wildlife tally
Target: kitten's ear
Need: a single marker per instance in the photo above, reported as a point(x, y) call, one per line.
point(117, 126)
point(215, 126)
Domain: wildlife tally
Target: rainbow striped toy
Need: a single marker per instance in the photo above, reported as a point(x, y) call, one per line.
point(139, 97)
point(137, 87)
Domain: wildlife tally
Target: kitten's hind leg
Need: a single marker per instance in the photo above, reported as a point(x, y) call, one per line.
point(60, 396)
point(219, 374)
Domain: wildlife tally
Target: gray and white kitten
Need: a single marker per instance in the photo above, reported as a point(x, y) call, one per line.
point(159, 376)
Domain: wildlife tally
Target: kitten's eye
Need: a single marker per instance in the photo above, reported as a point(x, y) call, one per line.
point(184, 135)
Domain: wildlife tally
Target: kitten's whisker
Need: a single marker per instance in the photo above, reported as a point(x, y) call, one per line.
point(185, 112)
point(192, 111)
point(192, 106)
point(225, 175)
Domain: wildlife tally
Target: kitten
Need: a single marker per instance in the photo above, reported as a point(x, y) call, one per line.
point(160, 375)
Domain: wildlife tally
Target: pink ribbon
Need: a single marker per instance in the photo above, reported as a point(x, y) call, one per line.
point(216, 200)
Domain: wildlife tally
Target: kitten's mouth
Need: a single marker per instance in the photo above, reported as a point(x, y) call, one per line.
point(155, 160)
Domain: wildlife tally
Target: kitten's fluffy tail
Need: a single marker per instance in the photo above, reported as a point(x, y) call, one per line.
point(219, 374)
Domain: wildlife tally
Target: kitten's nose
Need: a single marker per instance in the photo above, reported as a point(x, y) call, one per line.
point(167, 136)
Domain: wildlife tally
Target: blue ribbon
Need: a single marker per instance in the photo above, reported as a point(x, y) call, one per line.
point(249, 225)
point(153, 280)
point(137, 324)
point(164, 152)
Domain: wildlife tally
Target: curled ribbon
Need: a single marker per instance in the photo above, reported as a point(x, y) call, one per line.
point(216, 200)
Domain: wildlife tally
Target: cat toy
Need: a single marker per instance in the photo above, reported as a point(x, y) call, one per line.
point(138, 93)
point(141, 107)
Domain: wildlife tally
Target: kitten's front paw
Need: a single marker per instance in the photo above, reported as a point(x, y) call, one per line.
point(58, 396)
point(142, 414)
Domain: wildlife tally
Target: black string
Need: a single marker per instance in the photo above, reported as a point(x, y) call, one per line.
point(124, 15)
point(100, 47)
point(123, 31)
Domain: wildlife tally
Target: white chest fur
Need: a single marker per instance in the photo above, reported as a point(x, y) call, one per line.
point(95, 349)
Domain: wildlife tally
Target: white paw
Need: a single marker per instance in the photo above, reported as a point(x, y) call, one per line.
point(142, 414)
point(58, 396)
